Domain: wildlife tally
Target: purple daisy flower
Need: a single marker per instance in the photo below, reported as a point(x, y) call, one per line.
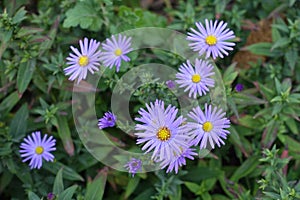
point(195, 79)
point(239, 87)
point(133, 166)
point(210, 125)
point(36, 149)
point(85, 60)
point(179, 160)
point(115, 51)
point(211, 39)
point(108, 120)
point(161, 131)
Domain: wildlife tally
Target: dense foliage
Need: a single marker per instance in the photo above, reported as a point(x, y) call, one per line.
point(260, 158)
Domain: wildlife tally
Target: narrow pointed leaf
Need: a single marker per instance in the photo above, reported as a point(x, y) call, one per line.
point(65, 134)
point(58, 186)
point(25, 74)
point(18, 126)
point(68, 193)
point(95, 189)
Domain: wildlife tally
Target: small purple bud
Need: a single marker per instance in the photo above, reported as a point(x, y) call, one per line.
point(108, 120)
point(239, 87)
point(133, 166)
point(170, 84)
point(50, 196)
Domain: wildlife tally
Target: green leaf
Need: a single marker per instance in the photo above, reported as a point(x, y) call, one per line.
point(85, 15)
point(247, 99)
point(291, 3)
point(219, 197)
point(86, 161)
point(230, 75)
point(177, 195)
point(286, 85)
point(246, 168)
point(33, 196)
point(19, 16)
point(24, 176)
point(241, 143)
point(25, 74)
point(278, 86)
point(209, 184)
point(282, 43)
point(291, 57)
point(263, 112)
point(224, 184)
point(292, 144)
point(58, 186)
point(50, 37)
point(145, 194)
point(295, 95)
point(18, 126)
point(232, 105)
point(11, 165)
point(280, 25)
point(68, 193)
point(272, 195)
point(267, 92)
point(95, 189)
point(68, 173)
point(277, 108)
point(8, 103)
point(206, 196)
point(270, 133)
point(25, 31)
point(250, 122)
point(276, 99)
point(275, 34)
point(6, 149)
point(194, 176)
point(132, 184)
point(193, 187)
point(218, 94)
point(5, 180)
point(65, 134)
point(262, 48)
point(291, 123)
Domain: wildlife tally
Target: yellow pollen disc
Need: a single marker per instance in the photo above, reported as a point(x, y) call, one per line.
point(196, 78)
point(118, 52)
point(207, 126)
point(39, 150)
point(163, 134)
point(211, 40)
point(83, 61)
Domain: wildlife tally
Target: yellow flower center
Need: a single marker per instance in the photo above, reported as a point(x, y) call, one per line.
point(118, 52)
point(163, 134)
point(207, 126)
point(196, 78)
point(39, 150)
point(211, 40)
point(83, 61)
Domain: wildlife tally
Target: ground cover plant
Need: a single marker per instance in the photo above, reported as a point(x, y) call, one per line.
point(144, 99)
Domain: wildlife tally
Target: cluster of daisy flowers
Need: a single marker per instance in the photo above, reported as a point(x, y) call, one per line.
point(171, 139)
point(90, 56)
